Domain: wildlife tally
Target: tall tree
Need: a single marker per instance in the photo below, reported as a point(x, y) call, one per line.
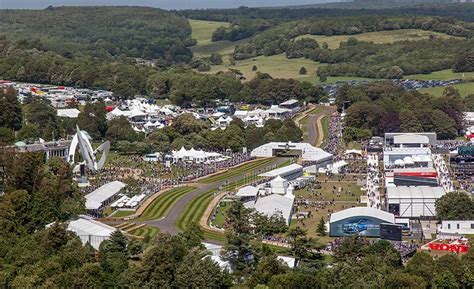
point(455, 206)
point(10, 114)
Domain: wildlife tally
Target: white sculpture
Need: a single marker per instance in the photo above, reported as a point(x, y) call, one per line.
point(87, 153)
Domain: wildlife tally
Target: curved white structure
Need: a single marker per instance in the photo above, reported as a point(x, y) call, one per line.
point(87, 153)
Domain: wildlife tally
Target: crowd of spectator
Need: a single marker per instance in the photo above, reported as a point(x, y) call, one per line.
point(373, 182)
point(333, 144)
point(444, 178)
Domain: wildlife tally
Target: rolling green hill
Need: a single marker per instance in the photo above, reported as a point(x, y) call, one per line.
point(101, 31)
point(379, 37)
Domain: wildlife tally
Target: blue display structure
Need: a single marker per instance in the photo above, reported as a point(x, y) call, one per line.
point(361, 225)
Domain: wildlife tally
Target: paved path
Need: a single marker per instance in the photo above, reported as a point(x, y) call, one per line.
point(167, 224)
point(315, 126)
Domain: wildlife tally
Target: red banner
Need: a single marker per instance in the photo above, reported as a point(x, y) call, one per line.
point(449, 247)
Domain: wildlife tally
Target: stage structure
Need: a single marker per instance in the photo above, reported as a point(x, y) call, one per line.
point(87, 153)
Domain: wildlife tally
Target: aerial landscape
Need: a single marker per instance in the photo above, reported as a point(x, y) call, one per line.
point(237, 144)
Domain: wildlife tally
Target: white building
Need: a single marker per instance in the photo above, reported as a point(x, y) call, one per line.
point(289, 172)
point(103, 196)
point(276, 204)
point(90, 231)
point(68, 112)
point(413, 202)
point(455, 228)
point(306, 150)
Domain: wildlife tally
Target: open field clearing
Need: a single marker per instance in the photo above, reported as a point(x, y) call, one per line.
point(377, 37)
point(464, 89)
point(202, 30)
point(446, 74)
point(278, 66)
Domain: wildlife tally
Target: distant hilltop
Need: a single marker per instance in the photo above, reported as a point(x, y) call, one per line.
point(413, 1)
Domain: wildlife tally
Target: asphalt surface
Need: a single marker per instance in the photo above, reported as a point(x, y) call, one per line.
point(167, 224)
point(315, 127)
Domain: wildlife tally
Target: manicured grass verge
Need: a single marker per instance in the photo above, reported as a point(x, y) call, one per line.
point(162, 204)
point(325, 124)
point(121, 214)
point(193, 213)
point(146, 231)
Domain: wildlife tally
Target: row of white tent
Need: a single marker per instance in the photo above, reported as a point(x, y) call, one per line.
point(192, 155)
point(408, 160)
point(196, 155)
point(128, 202)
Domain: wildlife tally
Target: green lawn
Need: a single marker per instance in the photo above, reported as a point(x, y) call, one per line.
point(446, 74)
point(219, 220)
point(162, 204)
point(145, 231)
point(325, 124)
point(122, 213)
point(464, 89)
point(377, 37)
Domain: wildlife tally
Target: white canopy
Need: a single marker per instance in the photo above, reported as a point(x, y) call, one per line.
point(399, 162)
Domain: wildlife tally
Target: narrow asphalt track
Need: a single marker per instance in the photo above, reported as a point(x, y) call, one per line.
point(315, 126)
point(167, 224)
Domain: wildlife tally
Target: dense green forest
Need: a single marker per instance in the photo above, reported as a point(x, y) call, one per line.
point(463, 11)
point(126, 79)
point(102, 31)
point(247, 22)
point(364, 59)
point(380, 107)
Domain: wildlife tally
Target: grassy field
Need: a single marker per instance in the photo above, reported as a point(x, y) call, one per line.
point(348, 197)
point(278, 66)
point(221, 215)
point(193, 213)
point(202, 31)
point(162, 204)
point(377, 37)
point(145, 232)
point(325, 124)
point(122, 213)
point(446, 74)
point(464, 89)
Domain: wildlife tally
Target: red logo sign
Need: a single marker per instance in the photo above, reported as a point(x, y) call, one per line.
point(448, 247)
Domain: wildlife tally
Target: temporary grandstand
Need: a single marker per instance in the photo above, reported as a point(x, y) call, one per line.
point(290, 172)
point(305, 150)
